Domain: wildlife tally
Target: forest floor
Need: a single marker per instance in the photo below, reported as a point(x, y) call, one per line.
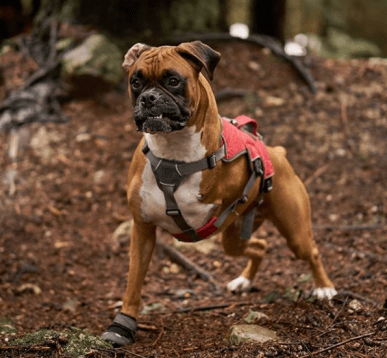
point(60, 267)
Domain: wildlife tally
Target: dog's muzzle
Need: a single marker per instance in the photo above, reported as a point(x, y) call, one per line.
point(157, 111)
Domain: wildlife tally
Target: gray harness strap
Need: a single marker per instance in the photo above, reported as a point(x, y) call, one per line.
point(169, 175)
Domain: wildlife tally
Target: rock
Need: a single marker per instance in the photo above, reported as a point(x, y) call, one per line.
point(271, 101)
point(354, 306)
point(203, 246)
point(155, 306)
point(25, 287)
point(99, 176)
point(96, 58)
point(122, 234)
point(254, 316)
point(251, 332)
point(184, 293)
point(340, 44)
point(76, 342)
point(70, 306)
point(6, 326)
point(83, 137)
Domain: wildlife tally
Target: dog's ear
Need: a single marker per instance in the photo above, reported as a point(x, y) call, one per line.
point(133, 54)
point(200, 56)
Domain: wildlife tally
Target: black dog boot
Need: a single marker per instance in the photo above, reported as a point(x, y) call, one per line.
point(121, 332)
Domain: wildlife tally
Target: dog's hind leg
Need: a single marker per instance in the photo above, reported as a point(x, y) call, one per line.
point(254, 249)
point(289, 210)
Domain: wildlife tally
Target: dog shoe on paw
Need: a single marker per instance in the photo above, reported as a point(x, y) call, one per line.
point(116, 339)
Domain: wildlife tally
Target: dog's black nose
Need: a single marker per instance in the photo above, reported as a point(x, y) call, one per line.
point(149, 98)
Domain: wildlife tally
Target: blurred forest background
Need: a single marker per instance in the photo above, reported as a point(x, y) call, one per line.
point(313, 73)
point(338, 26)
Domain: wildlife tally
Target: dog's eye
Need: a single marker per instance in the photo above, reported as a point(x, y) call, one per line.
point(136, 83)
point(173, 81)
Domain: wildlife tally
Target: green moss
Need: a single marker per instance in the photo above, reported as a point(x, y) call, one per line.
point(6, 326)
point(79, 342)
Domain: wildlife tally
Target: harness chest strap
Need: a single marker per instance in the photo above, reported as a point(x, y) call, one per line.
point(168, 176)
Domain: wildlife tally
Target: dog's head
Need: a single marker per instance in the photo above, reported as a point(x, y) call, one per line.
point(163, 83)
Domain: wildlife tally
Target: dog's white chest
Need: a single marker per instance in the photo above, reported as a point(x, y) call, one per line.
point(184, 146)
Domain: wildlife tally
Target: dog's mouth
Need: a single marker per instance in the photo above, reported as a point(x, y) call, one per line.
point(161, 123)
point(158, 112)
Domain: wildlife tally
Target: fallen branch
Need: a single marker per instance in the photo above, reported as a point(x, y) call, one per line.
point(262, 40)
point(339, 344)
point(212, 307)
point(185, 262)
point(229, 93)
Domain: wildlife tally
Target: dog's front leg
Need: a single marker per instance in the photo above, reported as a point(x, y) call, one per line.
point(143, 241)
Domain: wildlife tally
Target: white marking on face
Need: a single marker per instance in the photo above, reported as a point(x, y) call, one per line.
point(183, 145)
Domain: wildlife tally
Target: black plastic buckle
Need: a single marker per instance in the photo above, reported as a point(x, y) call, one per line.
point(243, 199)
point(173, 212)
point(145, 148)
point(268, 185)
point(211, 160)
point(258, 167)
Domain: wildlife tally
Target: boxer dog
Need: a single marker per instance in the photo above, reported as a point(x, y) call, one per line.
point(180, 180)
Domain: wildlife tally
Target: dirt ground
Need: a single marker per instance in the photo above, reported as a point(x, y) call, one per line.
point(60, 267)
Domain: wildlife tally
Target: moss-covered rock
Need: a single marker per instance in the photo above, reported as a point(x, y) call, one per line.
point(79, 342)
point(97, 57)
point(6, 326)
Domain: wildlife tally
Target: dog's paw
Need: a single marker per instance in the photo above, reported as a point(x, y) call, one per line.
point(240, 284)
point(323, 293)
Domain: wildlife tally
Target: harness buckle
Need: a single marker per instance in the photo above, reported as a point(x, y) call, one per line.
point(145, 148)
point(268, 185)
point(243, 199)
point(173, 212)
point(258, 167)
point(211, 160)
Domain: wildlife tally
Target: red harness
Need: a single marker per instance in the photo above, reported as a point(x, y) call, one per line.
point(238, 142)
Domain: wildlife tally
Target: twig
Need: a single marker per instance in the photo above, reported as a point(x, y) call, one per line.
point(341, 310)
point(228, 93)
point(343, 112)
point(129, 352)
point(316, 174)
point(299, 326)
point(185, 262)
point(146, 327)
point(161, 332)
point(212, 307)
point(351, 294)
point(339, 344)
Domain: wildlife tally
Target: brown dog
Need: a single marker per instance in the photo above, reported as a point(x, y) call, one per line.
point(180, 180)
